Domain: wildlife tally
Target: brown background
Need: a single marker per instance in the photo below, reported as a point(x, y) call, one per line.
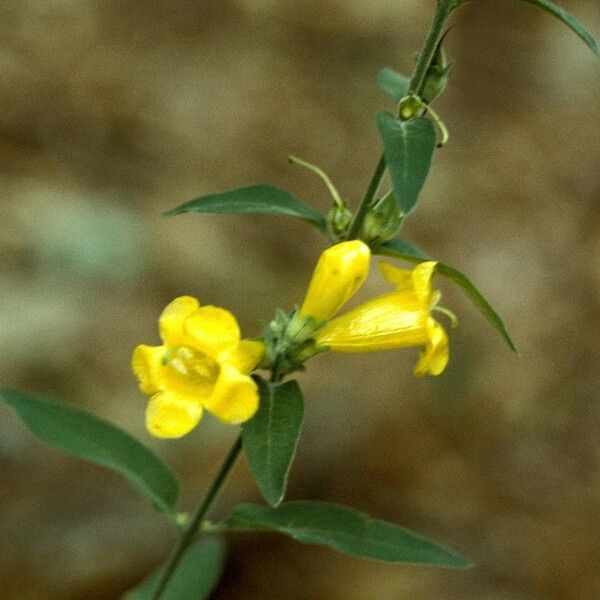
point(111, 112)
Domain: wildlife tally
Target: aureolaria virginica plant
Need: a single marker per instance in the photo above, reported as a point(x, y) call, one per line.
point(204, 364)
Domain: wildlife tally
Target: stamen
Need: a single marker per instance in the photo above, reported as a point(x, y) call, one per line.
point(446, 311)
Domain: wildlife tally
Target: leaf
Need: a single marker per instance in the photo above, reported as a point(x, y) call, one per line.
point(393, 84)
point(569, 20)
point(412, 253)
point(405, 250)
point(270, 438)
point(86, 436)
point(408, 147)
point(255, 199)
point(196, 576)
point(343, 529)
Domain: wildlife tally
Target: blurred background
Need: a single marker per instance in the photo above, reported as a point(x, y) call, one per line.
point(112, 112)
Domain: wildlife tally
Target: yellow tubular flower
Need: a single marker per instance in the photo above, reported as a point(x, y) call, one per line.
point(202, 364)
point(395, 320)
point(340, 271)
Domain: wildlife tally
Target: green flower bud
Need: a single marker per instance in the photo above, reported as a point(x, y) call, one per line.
point(383, 221)
point(437, 76)
point(410, 106)
point(338, 220)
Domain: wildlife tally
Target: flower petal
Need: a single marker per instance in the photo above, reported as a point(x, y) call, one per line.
point(169, 415)
point(212, 330)
point(394, 320)
point(418, 279)
point(146, 364)
point(170, 323)
point(434, 358)
point(234, 398)
point(401, 278)
point(339, 273)
point(421, 276)
point(247, 355)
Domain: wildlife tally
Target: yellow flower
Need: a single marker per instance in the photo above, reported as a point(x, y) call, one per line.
point(202, 364)
point(340, 271)
point(394, 320)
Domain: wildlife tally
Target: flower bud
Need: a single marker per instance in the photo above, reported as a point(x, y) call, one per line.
point(338, 220)
point(437, 77)
point(340, 271)
point(383, 221)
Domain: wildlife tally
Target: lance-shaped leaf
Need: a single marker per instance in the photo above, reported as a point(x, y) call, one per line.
point(79, 433)
point(393, 83)
point(408, 147)
point(569, 20)
point(271, 436)
point(343, 529)
point(255, 199)
point(407, 251)
point(195, 578)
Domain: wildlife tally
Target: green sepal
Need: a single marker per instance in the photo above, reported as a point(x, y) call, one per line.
point(569, 20)
point(289, 342)
point(342, 529)
point(255, 199)
point(408, 147)
point(81, 434)
point(270, 438)
point(382, 222)
point(338, 221)
point(393, 84)
point(412, 253)
point(195, 578)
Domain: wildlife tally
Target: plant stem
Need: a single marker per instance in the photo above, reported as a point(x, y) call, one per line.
point(443, 10)
point(187, 537)
point(367, 200)
point(436, 30)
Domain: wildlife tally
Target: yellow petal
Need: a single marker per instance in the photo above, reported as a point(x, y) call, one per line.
point(234, 398)
point(189, 374)
point(339, 273)
point(170, 323)
point(146, 365)
point(434, 358)
point(212, 330)
point(421, 276)
point(394, 320)
point(402, 278)
point(417, 279)
point(247, 355)
point(169, 415)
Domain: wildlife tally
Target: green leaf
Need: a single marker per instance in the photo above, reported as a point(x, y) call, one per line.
point(271, 436)
point(393, 84)
point(255, 199)
point(343, 529)
point(86, 436)
point(569, 20)
point(196, 576)
point(407, 251)
point(408, 148)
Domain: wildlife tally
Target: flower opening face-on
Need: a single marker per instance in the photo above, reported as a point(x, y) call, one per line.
point(202, 364)
point(398, 319)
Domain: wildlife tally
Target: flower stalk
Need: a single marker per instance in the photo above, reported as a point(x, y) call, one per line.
point(202, 512)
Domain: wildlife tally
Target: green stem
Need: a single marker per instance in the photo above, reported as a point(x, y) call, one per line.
point(443, 10)
point(200, 515)
point(436, 30)
point(367, 200)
